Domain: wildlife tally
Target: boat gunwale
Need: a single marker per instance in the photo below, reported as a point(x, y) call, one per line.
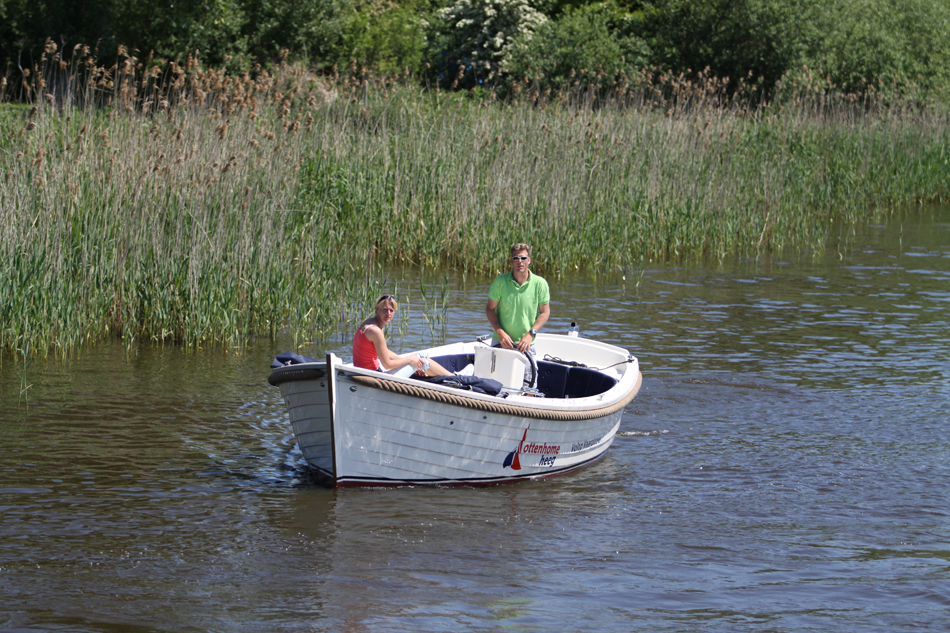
point(529, 406)
point(317, 370)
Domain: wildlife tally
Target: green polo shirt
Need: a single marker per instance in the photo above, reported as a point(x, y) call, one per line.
point(518, 305)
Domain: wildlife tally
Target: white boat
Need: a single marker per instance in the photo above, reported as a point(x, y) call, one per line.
point(358, 427)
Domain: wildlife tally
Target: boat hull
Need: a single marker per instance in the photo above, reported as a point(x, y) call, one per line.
point(355, 428)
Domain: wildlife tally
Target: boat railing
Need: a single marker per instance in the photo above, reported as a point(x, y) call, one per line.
point(521, 407)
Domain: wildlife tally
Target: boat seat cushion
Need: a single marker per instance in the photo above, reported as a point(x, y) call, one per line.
point(470, 383)
point(583, 382)
point(552, 379)
point(455, 362)
point(290, 358)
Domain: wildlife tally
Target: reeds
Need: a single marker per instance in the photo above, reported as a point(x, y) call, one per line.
point(160, 201)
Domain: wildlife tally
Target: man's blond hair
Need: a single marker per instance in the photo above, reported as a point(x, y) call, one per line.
point(520, 246)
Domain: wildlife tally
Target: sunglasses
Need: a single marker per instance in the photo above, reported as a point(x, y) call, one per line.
point(520, 258)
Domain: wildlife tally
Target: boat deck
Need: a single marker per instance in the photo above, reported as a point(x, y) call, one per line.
point(555, 380)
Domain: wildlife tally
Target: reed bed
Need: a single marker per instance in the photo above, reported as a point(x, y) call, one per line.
point(165, 202)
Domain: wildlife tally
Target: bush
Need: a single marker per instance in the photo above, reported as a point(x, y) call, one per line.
point(310, 29)
point(474, 40)
point(738, 39)
point(893, 45)
point(591, 45)
point(384, 36)
point(210, 26)
point(899, 47)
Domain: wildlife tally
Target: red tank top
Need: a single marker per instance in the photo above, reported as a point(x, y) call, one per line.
point(364, 352)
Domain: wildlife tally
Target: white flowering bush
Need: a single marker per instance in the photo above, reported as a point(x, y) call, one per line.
point(478, 37)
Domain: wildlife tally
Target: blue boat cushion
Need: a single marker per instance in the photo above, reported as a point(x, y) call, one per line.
point(470, 383)
point(552, 379)
point(583, 382)
point(455, 362)
point(290, 358)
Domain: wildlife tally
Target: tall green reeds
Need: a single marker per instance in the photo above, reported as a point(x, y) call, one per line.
point(165, 202)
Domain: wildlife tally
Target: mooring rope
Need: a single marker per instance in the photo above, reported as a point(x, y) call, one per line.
point(495, 407)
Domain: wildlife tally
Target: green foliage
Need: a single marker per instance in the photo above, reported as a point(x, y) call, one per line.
point(738, 39)
point(163, 26)
point(26, 24)
point(592, 46)
point(166, 27)
point(313, 30)
point(377, 34)
point(384, 36)
point(474, 40)
point(893, 45)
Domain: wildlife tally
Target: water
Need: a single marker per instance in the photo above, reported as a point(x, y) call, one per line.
point(786, 467)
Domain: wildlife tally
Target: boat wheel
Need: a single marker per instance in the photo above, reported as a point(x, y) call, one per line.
point(533, 364)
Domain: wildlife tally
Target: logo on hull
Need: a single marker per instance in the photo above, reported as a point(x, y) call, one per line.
point(548, 453)
point(512, 458)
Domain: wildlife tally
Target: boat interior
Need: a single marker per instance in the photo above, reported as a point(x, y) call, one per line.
point(555, 380)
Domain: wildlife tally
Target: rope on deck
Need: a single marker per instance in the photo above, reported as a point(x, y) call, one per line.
point(495, 407)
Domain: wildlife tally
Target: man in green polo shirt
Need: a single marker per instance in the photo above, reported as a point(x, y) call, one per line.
point(519, 303)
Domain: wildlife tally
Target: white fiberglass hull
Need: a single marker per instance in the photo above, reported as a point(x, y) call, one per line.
point(358, 427)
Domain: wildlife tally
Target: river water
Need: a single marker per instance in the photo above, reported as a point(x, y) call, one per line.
point(785, 467)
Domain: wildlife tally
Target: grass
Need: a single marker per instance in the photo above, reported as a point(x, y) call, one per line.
point(171, 203)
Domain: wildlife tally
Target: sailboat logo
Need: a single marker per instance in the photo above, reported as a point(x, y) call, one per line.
point(512, 458)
